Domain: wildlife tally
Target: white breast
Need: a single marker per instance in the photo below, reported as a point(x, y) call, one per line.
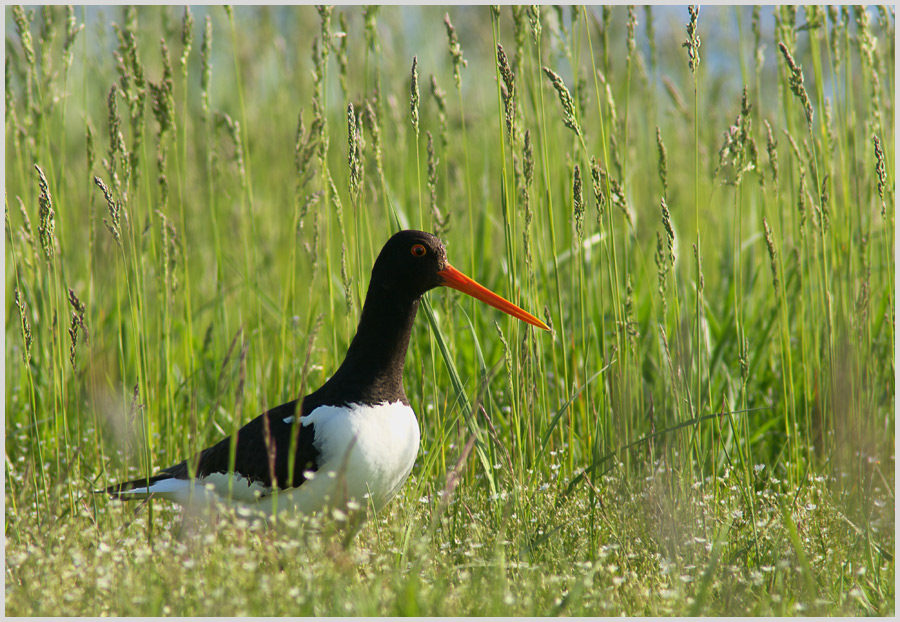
point(365, 454)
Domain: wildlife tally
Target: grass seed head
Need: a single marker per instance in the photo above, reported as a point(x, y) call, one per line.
point(880, 172)
point(650, 33)
point(519, 28)
point(700, 282)
point(27, 230)
point(758, 55)
point(114, 208)
point(319, 62)
point(528, 160)
point(46, 223)
point(630, 325)
point(169, 259)
point(306, 146)
point(773, 254)
point(525, 198)
point(233, 130)
point(414, 95)
point(866, 42)
point(616, 193)
point(441, 222)
point(606, 14)
point(187, 38)
point(163, 97)
point(753, 159)
point(116, 140)
point(734, 153)
point(692, 43)
point(796, 82)
point(27, 338)
point(662, 271)
point(308, 203)
point(772, 150)
point(834, 35)
point(89, 144)
point(325, 12)
point(785, 25)
point(311, 247)
point(206, 65)
point(662, 161)
point(72, 29)
point(45, 39)
point(78, 308)
point(599, 195)
point(133, 89)
point(73, 340)
point(578, 204)
point(509, 92)
point(830, 130)
point(507, 356)
point(370, 26)
point(354, 151)
point(455, 51)
point(23, 29)
point(670, 231)
point(744, 359)
point(345, 275)
point(565, 99)
point(534, 16)
point(802, 201)
point(630, 27)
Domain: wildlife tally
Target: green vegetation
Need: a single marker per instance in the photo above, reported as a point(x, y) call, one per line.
point(701, 205)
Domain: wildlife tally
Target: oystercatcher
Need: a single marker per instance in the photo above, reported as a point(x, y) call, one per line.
point(353, 439)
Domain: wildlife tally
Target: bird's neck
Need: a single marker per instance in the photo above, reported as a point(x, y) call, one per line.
point(372, 371)
point(382, 337)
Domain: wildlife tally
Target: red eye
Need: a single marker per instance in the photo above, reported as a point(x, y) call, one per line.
point(418, 250)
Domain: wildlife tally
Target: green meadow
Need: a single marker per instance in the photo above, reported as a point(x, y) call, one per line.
point(700, 204)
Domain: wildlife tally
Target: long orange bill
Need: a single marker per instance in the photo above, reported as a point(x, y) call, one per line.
point(459, 281)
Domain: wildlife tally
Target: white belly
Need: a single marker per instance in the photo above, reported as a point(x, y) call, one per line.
point(365, 455)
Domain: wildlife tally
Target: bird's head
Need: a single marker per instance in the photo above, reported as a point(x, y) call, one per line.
point(413, 262)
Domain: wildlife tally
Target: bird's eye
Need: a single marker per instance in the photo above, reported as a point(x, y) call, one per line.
point(418, 250)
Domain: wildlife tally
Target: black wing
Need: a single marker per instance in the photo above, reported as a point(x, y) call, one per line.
point(251, 458)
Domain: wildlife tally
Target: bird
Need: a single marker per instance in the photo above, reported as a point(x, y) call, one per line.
point(353, 440)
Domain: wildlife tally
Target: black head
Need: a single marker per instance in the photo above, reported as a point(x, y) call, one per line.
point(409, 264)
point(413, 262)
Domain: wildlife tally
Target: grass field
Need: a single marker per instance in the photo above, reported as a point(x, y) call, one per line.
point(700, 205)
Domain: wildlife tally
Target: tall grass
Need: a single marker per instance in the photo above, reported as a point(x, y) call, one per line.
point(193, 204)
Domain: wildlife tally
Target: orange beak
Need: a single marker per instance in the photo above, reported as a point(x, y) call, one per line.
point(459, 281)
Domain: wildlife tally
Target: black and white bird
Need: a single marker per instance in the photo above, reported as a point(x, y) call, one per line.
point(353, 439)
